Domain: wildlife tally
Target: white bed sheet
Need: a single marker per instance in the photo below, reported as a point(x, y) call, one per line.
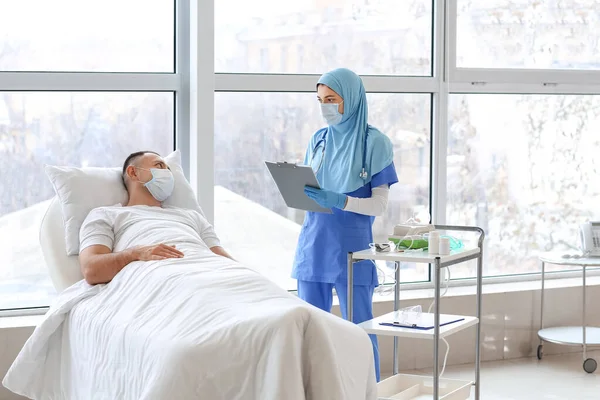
point(201, 327)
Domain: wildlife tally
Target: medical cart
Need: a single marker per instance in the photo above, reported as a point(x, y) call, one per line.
point(415, 387)
point(569, 335)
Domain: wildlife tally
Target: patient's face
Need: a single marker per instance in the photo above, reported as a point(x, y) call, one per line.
point(147, 162)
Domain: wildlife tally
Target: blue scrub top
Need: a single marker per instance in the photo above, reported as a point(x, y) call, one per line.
point(326, 239)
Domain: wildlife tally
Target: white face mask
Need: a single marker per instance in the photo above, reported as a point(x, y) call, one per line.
point(162, 183)
point(330, 113)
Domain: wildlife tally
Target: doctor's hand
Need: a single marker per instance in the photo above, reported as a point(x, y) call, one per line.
point(326, 198)
point(156, 252)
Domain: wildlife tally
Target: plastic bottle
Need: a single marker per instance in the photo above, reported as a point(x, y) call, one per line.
point(444, 246)
point(434, 242)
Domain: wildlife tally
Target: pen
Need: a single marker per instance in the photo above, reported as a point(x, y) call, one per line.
point(399, 324)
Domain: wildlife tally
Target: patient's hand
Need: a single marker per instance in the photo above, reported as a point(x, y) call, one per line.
point(156, 252)
point(100, 265)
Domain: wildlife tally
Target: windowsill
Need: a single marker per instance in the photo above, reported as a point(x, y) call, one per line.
point(488, 288)
point(20, 321)
point(27, 321)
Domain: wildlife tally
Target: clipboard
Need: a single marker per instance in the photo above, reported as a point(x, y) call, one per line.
point(290, 180)
point(423, 323)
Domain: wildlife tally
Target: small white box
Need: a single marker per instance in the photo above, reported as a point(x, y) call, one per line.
point(415, 387)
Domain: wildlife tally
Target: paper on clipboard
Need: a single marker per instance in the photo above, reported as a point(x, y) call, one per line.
point(422, 321)
point(291, 180)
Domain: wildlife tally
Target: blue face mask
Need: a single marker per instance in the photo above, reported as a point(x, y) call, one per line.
point(330, 113)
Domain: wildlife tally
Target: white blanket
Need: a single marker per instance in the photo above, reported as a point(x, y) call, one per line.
point(201, 327)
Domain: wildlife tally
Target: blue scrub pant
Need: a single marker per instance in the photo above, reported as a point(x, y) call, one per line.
point(320, 295)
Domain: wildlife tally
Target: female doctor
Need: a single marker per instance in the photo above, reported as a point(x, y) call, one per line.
point(353, 162)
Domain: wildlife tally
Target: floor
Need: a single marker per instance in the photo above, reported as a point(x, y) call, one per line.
point(555, 377)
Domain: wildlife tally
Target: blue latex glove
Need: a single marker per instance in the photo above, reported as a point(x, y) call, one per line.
point(326, 198)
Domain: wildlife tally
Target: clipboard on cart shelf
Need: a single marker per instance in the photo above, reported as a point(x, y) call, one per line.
point(422, 321)
point(291, 180)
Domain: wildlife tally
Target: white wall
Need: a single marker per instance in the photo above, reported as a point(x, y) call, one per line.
point(509, 330)
point(509, 327)
point(11, 342)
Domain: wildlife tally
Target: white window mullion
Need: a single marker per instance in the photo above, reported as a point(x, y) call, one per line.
point(387, 84)
point(440, 114)
point(451, 16)
point(87, 81)
point(202, 104)
point(516, 88)
point(439, 151)
point(182, 69)
point(307, 83)
point(548, 77)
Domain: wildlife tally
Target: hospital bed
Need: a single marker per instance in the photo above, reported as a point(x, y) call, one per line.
point(222, 331)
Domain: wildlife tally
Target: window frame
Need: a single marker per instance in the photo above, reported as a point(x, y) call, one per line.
point(195, 82)
point(386, 84)
point(511, 81)
point(446, 79)
point(176, 83)
point(555, 81)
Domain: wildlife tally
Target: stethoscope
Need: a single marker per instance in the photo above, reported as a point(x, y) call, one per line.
point(323, 141)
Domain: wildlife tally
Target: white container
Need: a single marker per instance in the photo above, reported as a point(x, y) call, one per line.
point(415, 387)
point(433, 242)
point(444, 246)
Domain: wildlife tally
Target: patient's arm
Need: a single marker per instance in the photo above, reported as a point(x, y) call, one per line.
point(100, 265)
point(208, 236)
point(221, 252)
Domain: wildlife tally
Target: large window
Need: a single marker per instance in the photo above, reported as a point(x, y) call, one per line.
point(82, 84)
point(535, 34)
point(521, 122)
point(270, 115)
point(59, 128)
point(388, 37)
point(504, 159)
point(278, 127)
point(86, 36)
point(494, 103)
point(523, 168)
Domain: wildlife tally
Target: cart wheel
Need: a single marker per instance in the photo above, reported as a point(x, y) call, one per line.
point(540, 352)
point(590, 365)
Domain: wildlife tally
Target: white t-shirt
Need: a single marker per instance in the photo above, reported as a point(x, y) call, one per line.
point(120, 228)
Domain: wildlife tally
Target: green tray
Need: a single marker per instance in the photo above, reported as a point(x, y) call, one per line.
point(410, 243)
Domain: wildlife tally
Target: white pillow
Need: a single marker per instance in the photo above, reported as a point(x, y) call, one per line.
point(80, 190)
point(183, 195)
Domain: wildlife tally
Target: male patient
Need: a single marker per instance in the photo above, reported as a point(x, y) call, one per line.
point(112, 237)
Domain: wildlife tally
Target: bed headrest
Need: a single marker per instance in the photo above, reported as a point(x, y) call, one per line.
point(64, 270)
point(80, 190)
